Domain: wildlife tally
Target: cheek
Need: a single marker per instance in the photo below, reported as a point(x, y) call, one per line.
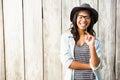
point(78, 21)
point(89, 22)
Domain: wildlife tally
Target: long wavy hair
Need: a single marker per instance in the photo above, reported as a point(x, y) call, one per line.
point(74, 27)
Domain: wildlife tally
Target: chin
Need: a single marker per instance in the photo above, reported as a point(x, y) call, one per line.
point(83, 28)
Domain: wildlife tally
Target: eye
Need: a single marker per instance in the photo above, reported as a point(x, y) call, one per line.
point(79, 17)
point(86, 17)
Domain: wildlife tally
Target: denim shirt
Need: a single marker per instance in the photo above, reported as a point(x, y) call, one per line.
point(67, 56)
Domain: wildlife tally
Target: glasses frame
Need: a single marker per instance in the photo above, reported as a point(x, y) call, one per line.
point(85, 17)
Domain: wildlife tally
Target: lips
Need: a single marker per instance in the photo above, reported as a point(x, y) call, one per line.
point(83, 25)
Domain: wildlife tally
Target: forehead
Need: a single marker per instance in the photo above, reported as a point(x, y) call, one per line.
point(84, 12)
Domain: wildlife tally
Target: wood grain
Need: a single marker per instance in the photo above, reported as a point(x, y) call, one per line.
point(13, 27)
point(2, 62)
point(67, 6)
point(107, 35)
point(118, 40)
point(33, 40)
point(52, 32)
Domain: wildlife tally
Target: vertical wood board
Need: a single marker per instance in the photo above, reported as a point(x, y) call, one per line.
point(118, 40)
point(2, 67)
point(33, 40)
point(67, 6)
point(13, 27)
point(107, 35)
point(52, 32)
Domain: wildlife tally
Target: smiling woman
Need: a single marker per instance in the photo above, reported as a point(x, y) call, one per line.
point(30, 32)
point(80, 48)
point(83, 19)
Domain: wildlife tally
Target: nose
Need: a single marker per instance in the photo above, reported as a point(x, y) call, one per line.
point(83, 19)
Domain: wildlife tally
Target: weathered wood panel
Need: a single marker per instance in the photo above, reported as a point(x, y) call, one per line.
point(107, 34)
point(52, 32)
point(2, 67)
point(33, 39)
point(118, 40)
point(67, 6)
point(102, 31)
point(13, 30)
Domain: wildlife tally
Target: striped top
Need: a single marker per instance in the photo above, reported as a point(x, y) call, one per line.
point(82, 54)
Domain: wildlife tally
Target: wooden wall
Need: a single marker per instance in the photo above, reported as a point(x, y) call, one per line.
point(30, 33)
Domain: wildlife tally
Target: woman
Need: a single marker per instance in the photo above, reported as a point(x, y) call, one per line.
point(80, 49)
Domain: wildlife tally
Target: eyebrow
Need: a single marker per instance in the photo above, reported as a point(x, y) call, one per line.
point(84, 16)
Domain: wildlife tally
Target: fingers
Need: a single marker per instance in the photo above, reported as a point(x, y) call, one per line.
point(88, 36)
point(89, 39)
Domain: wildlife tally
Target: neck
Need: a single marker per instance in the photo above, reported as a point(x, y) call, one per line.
point(81, 32)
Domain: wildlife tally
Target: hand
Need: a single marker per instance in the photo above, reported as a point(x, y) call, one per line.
point(89, 39)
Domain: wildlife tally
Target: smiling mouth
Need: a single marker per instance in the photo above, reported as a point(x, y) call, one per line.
point(83, 24)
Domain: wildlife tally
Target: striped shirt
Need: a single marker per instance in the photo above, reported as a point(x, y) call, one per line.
point(82, 54)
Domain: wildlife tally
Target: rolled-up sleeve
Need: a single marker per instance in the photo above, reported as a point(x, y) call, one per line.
point(99, 54)
point(66, 56)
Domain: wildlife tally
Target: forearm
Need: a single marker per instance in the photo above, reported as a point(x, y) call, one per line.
point(79, 66)
point(94, 58)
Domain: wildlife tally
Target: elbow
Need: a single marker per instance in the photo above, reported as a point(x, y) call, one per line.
point(96, 66)
point(95, 63)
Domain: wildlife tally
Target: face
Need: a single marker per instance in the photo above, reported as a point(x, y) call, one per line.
point(83, 20)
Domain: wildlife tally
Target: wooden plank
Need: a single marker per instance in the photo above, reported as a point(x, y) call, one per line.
point(67, 6)
point(118, 40)
point(13, 27)
point(102, 35)
point(52, 32)
point(33, 39)
point(107, 35)
point(93, 4)
point(2, 67)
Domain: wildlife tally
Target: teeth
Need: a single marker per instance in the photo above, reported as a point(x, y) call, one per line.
point(83, 24)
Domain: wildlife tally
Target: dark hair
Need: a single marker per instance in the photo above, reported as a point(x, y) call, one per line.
point(74, 27)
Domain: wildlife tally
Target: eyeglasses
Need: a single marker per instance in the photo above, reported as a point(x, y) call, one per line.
point(81, 17)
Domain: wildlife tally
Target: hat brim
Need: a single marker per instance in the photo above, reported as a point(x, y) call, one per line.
point(94, 13)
